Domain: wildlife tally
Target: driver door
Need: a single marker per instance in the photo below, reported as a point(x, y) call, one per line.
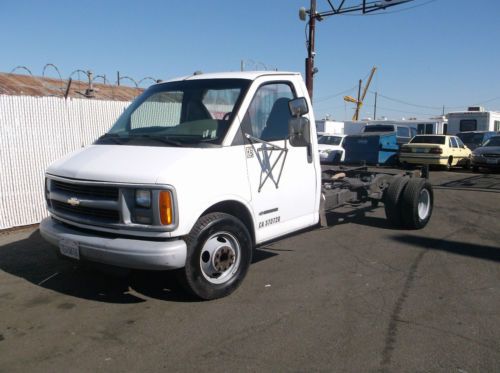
point(282, 178)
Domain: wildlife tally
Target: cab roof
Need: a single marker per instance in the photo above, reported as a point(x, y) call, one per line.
point(248, 75)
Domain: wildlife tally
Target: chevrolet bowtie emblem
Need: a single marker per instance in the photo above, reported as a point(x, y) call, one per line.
point(73, 201)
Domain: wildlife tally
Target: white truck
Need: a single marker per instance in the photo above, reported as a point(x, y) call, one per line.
point(199, 171)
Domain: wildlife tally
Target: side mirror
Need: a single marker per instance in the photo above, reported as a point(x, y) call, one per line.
point(298, 107)
point(299, 132)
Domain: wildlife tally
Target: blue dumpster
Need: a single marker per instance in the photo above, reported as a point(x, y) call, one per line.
point(372, 148)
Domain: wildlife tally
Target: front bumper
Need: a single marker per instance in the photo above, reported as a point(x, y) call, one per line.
point(118, 251)
point(493, 163)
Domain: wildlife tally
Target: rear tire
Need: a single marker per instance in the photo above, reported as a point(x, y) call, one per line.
point(219, 253)
point(392, 199)
point(417, 203)
point(448, 164)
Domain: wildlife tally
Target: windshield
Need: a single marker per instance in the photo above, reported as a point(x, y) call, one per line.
point(190, 113)
point(379, 128)
point(330, 140)
point(493, 141)
point(428, 140)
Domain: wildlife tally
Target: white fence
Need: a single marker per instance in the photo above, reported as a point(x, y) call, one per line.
point(34, 132)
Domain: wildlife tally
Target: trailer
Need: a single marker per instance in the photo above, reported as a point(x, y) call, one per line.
point(476, 118)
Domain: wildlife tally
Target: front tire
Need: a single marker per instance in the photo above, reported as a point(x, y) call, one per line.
point(219, 253)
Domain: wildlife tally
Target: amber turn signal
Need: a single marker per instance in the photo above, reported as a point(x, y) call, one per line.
point(166, 212)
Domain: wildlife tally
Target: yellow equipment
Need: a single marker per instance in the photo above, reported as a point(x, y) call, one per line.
point(359, 101)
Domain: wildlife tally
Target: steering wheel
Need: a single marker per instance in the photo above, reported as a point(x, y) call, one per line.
point(227, 115)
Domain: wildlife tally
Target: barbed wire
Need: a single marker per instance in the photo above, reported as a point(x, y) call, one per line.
point(255, 65)
point(21, 67)
point(86, 73)
point(54, 67)
point(128, 78)
point(147, 78)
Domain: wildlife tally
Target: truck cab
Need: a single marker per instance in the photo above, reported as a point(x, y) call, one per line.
point(206, 158)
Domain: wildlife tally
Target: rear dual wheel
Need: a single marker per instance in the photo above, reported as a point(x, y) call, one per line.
point(417, 203)
point(409, 202)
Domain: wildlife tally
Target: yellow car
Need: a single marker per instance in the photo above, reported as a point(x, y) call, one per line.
point(437, 150)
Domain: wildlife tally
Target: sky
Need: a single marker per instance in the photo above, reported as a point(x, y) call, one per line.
point(429, 53)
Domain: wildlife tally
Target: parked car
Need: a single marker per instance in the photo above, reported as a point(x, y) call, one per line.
point(475, 139)
point(331, 149)
point(488, 155)
point(403, 133)
point(437, 150)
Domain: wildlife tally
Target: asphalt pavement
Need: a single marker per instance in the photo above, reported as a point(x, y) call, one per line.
point(358, 296)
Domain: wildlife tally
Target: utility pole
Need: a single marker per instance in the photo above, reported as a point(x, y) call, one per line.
point(363, 7)
point(310, 49)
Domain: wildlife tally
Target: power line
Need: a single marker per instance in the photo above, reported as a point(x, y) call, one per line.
point(407, 103)
point(389, 12)
point(326, 98)
point(405, 111)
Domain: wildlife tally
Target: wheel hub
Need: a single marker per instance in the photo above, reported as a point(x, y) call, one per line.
point(220, 257)
point(223, 258)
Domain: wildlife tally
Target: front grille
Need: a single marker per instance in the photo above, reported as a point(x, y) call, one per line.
point(491, 155)
point(87, 190)
point(107, 216)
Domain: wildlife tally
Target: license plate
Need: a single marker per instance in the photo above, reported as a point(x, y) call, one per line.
point(69, 248)
point(492, 161)
point(420, 150)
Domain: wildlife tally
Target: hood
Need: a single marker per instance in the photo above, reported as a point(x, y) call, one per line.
point(471, 145)
point(487, 149)
point(125, 164)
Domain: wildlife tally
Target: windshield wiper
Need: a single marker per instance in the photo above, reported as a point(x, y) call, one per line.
point(159, 139)
point(111, 136)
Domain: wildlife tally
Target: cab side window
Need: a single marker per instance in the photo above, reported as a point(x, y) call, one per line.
point(453, 142)
point(268, 114)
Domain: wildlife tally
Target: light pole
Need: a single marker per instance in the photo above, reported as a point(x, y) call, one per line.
point(310, 48)
point(366, 6)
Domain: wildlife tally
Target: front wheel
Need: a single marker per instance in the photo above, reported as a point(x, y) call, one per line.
point(219, 252)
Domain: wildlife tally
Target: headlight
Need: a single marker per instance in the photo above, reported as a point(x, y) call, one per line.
point(143, 198)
